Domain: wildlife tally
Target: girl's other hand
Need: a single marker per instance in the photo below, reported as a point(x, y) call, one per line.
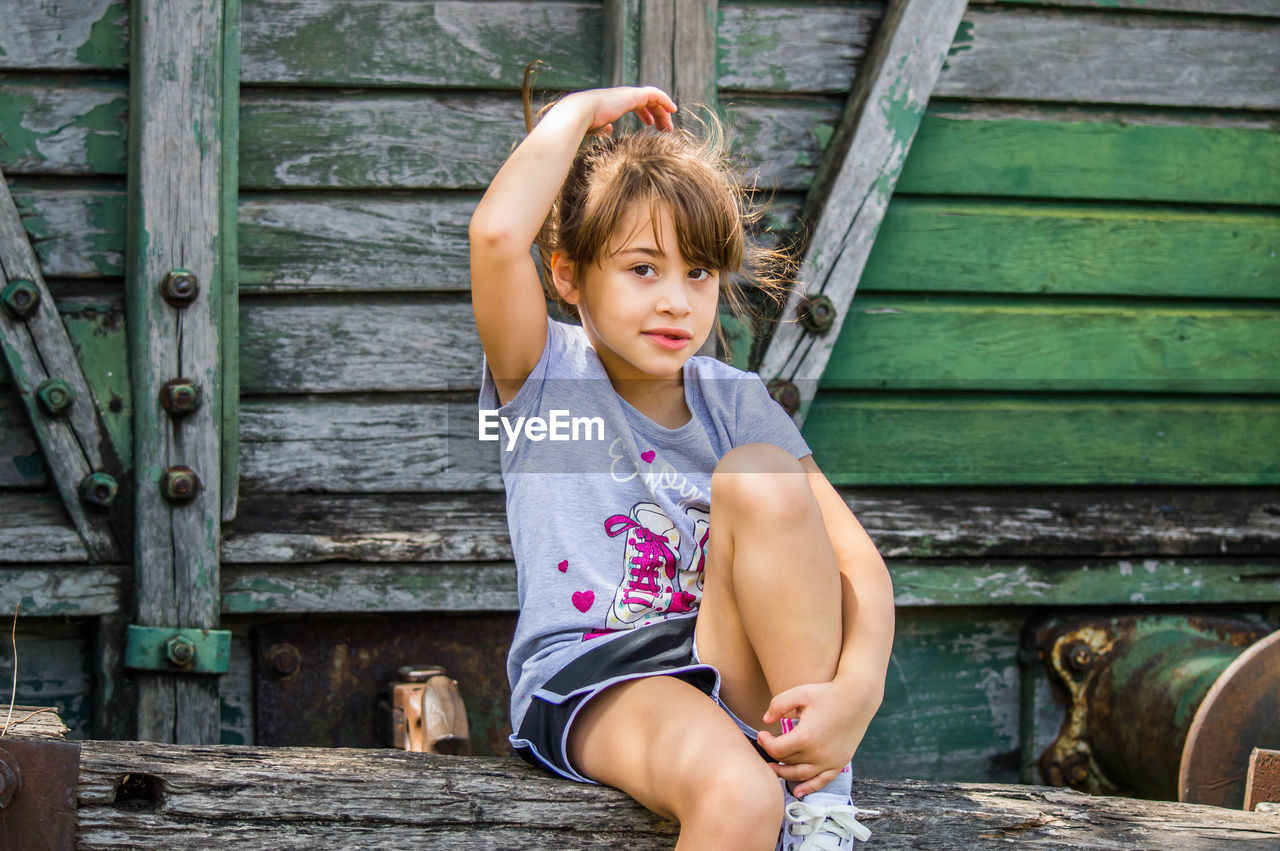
point(651, 105)
point(833, 718)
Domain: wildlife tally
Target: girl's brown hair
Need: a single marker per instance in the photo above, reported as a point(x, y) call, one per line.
point(688, 173)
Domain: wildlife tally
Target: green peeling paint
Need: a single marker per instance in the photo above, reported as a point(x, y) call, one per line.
point(963, 39)
point(107, 46)
point(30, 466)
point(17, 142)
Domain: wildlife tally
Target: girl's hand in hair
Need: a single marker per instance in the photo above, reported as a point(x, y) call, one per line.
point(651, 105)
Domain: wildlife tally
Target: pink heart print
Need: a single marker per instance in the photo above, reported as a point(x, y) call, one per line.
point(582, 600)
point(648, 457)
point(563, 566)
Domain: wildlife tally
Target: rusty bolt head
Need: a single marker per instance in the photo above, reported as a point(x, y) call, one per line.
point(10, 777)
point(98, 490)
point(180, 397)
point(785, 394)
point(54, 396)
point(284, 659)
point(816, 313)
point(180, 287)
point(20, 299)
point(179, 484)
point(1079, 656)
point(180, 651)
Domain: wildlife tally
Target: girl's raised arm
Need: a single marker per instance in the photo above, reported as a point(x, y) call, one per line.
point(509, 305)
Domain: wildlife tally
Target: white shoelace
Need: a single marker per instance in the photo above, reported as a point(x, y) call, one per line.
point(826, 827)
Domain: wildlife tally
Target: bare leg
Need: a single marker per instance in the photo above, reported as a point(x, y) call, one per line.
point(770, 616)
point(669, 746)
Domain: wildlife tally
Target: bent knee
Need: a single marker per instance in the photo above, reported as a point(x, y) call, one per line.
point(743, 802)
point(760, 477)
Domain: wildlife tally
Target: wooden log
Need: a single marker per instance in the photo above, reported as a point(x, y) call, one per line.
point(75, 443)
point(176, 104)
point(851, 191)
point(244, 797)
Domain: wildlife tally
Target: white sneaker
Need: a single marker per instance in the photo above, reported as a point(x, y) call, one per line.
point(814, 827)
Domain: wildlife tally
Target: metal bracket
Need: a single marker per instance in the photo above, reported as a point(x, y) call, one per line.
point(39, 779)
point(174, 650)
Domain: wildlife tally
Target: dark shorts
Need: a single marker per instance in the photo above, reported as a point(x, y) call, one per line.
point(661, 649)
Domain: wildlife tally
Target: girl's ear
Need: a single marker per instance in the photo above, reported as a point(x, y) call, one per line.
point(565, 278)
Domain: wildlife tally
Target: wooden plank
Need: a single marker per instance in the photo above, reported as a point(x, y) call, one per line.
point(979, 343)
point(36, 349)
point(1260, 8)
point(1165, 60)
point(1164, 524)
point(1033, 439)
point(229, 796)
point(21, 464)
point(1088, 153)
point(79, 231)
point(1048, 249)
point(56, 36)
point(1014, 53)
point(36, 530)
point(372, 444)
point(229, 262)
point(471, 45)
point(61, 591)
point(355, 244)
point(51, 669)
point(50, 126)
point(670, 44)
point(490, 586)
point(851, 190)
point(175, 189)
point(323, 345)
point(904, 342)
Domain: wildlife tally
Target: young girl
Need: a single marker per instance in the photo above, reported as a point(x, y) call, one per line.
point(646, 657)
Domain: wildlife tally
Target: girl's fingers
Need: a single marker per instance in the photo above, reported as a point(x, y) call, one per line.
point(794, 773)
point(816, 783)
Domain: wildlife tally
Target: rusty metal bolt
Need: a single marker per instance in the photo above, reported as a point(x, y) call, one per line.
point(98, 490)
point(180, 287)
point(1079, 656)
point(180, 651)
point(180, 397)
point(54, 396)
point(284, 659)
point(20, 299)
point(785, 394)
point(1075, 770)
point(10, 777)
point(816, 313)
point(179, 484)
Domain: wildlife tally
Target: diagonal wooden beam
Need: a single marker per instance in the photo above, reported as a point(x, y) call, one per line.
point(851, 191)
point(39, 354)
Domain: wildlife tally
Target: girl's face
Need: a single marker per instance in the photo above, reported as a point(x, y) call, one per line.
point(645, 308)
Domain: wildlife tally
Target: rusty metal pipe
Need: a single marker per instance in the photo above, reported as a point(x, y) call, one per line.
point(1142, 701)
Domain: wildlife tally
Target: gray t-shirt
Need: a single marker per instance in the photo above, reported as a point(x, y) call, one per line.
point(608, 510)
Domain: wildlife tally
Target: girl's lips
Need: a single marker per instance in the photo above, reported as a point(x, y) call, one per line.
point(666, 342)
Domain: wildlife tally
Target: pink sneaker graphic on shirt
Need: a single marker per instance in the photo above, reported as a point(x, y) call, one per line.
point(650, 559)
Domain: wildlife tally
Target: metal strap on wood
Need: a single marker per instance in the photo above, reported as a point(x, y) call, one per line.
point(852, 188)
point(175, 291)
point(47, 375)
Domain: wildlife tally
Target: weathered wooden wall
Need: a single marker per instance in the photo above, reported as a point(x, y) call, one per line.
point(1057, 387)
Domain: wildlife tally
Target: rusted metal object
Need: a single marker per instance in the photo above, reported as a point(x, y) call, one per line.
point(38, 783)
point(54, 396)
point(1241, 712)
point(1133, 687)
point(180, 287)
point(816, 313)
point(20, 298)
point(179, 485)
point(424, 712)
point(180, 397)
point(786, 394)
point(330, 695)
point(99, 490)
point(1263, 782)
